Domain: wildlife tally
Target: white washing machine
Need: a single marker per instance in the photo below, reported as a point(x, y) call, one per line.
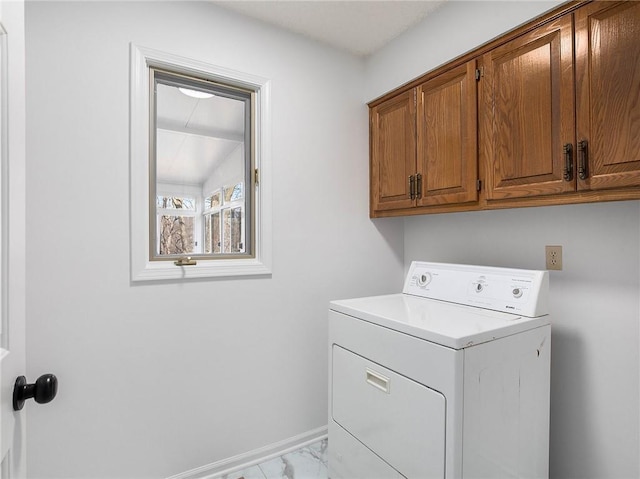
point(449, 379)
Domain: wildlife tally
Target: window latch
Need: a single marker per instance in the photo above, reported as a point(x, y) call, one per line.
point(185, 261)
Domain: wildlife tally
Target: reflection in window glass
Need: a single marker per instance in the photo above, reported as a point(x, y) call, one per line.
point(208, 156)
point(175, 203)
point(212, 233)
point(176, 234)
point(233, 193)
point(212, 201)
point(224, 218)
point(215, 234)
point(207, 234)
point(233, 230)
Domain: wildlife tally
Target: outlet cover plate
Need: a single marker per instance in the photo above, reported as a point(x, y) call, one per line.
point(553, 255)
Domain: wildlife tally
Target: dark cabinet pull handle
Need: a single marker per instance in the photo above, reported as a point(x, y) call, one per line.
point(412, 187)
point(583, 173)
point(568, 162)
point(43, 390)
point(419, 186)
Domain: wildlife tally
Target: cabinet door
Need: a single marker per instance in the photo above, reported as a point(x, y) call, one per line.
point(528, 113)
point(447, 137)
point(393, 152)
point(608, 93)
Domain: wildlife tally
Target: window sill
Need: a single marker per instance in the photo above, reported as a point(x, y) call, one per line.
point(167, 270)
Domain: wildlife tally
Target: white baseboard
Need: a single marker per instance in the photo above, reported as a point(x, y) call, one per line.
point(251, 458)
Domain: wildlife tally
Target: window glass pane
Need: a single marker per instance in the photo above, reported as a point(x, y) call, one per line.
point(175, 203)
point(212, 201)
point(233, 193)
point(207, 234)
point(212, 233)
point(236, 230)
point(215, 232)
point(232, 219)
point(176, 234)
point(201, 142)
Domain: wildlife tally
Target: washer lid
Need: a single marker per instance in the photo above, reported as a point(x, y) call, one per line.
point(448, 324)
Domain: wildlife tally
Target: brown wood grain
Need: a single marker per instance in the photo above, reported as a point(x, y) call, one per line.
point(622, 194)
point(393, 152)
point(447, 156)
point(528, 87)
point(608, 91)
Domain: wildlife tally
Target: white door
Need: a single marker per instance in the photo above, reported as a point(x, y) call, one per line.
point(12, 234)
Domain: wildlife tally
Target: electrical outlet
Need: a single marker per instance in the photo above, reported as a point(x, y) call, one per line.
point(553, 255)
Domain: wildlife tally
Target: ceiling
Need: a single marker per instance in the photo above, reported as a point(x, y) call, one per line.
point(357, 26)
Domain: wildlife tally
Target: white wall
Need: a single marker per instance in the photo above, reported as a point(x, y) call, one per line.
point(156, 379)
point(594, 300)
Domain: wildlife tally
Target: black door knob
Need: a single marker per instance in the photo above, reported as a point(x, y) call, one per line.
point(43, 390)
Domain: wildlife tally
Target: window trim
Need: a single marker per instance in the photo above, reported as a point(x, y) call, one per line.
point(142, 267)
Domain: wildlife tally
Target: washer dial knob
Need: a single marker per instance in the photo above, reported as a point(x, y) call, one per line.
point(424, 279)
point(517, 292)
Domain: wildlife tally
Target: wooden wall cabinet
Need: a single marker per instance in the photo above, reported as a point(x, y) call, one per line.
point(528, 112)
point(423, 144)
point(447, 146)
point(553, 119)
point(536, 139)
point(393, 152)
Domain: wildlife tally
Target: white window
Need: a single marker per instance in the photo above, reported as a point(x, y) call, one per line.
point(199, 145)
point(224, 221)
point(176, 226)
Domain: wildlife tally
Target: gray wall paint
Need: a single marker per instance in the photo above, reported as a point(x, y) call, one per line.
point(594, 300)
point(157, 379)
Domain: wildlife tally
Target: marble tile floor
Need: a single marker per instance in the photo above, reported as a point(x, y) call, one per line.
point(309, 462)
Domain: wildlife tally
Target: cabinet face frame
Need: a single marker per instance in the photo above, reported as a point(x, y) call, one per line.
point(447, 140)
point(607, 46)
point(393, 152)
point(528, 113)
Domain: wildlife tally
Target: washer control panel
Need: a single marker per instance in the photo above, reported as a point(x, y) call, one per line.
point(517, 291)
